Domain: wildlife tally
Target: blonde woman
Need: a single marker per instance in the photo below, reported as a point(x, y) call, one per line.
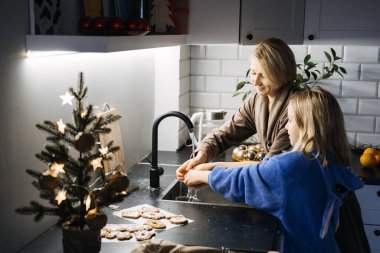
point(305, 187)
point(273, 71)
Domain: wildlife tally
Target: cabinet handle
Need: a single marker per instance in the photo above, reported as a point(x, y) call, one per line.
point(310, 37)
point(378, 193)
point(249, 36)
point(377, 232)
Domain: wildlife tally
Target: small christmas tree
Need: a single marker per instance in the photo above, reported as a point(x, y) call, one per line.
point(76, 186)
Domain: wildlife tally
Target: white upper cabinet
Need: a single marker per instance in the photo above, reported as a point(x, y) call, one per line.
point(295, 21)
point(342, 21)
point(213, 21)
point(261, 19)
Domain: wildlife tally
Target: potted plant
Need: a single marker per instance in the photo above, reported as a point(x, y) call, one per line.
point(307, 73)
point(74, 183)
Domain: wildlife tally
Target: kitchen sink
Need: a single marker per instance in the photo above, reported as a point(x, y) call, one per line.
point(179, 192)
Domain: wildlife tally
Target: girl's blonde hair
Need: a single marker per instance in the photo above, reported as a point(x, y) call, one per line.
point(277, 60)
point(321, 125)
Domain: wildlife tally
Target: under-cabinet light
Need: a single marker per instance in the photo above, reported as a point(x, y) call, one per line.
point(33, 54)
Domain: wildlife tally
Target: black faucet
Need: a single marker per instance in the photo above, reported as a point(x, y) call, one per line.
point(155, 171)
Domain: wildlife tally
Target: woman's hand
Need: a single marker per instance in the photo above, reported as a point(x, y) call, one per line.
point(200, 158)
point(196, 179)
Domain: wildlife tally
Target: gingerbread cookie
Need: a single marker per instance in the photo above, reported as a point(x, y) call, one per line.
point(103, 233)
point(137, 227)
point(153, 215)
point(131, 214)
point(143, 235)
point(122, 236)
point(155, 224)
point(178, 220)
point(111, 235)
point(144, 209)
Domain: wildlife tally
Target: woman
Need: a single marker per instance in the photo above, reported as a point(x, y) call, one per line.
point(273, 71)
point(305, 187)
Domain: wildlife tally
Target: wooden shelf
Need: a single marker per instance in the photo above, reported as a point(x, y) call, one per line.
point(100, 44)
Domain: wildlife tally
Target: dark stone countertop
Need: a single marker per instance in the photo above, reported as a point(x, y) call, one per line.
point(237, 228)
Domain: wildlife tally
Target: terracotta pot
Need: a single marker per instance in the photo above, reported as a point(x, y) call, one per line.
point(80, 241)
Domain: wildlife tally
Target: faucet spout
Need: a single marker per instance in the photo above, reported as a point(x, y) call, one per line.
point(155, 171)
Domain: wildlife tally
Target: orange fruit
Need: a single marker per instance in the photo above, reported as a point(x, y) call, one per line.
point(371, 150)
point(378, 158)
point(368, 160)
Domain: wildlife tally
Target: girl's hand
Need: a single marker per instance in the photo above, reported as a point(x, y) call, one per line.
point(190, 164)
point(204, 167)
point(196, 178)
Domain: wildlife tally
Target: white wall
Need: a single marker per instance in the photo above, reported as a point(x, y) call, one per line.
point(29, 92)
point(216, 69)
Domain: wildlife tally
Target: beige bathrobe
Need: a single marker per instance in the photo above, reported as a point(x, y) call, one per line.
point(253, 117)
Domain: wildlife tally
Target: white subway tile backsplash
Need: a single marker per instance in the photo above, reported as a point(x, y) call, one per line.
point(368, 139)
point(213, 82)
point(348, 105)
point(221, 84)
point(184, 68)
point(235, 67)
point(363, 54)
point(184, 52)
point(352, 70)
point(230, 102)
point(360, 89)
point(369, 107)
point(206, 67)
point(204, 100)
point(370, 72)
point(184, 85)
point(332, 86)
point(351, 138)
point(198, 52)
point(184, 102)
point(222, 51)
point(300, 51)
point(317, 52)
point(359, 123)
point(246, 52)
point(197, 83)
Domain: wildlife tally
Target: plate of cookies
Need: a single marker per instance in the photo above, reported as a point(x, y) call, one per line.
point(147, 221)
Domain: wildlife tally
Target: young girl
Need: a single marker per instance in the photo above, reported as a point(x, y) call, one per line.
point(304, 188)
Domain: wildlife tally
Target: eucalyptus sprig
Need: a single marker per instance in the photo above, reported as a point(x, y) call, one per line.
point(307, 74)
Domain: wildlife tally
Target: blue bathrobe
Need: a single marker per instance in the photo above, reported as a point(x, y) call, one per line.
point(298, 190)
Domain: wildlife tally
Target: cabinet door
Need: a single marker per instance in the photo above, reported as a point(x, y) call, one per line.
point(213, 21)
point(342, 22)
point(261, 19)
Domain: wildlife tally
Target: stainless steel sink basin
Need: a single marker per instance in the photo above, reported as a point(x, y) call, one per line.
point(178, 192)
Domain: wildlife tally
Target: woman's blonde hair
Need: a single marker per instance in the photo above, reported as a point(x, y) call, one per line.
point(277, 60)
point(321, 125)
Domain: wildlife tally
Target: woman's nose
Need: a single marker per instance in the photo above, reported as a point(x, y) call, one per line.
point(255, 79)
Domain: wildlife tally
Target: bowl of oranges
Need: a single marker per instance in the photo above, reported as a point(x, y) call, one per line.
point(370, 157)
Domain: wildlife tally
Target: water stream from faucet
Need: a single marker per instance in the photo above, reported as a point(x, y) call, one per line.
point(191, 192)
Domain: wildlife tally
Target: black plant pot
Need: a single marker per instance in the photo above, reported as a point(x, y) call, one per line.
point(80, 241)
